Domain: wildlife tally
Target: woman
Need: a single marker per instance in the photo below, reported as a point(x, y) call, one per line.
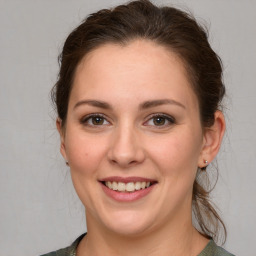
point(138, 99)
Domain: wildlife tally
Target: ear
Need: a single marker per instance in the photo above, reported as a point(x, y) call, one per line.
point(212, 139)
point(62, 138)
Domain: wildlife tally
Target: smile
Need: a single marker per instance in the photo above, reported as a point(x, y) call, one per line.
point(127, 187)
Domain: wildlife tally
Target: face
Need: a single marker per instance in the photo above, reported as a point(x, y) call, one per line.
point(133, 138)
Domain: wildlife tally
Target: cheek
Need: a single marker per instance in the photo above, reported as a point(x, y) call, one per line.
point(85, 153)
point(177, 153)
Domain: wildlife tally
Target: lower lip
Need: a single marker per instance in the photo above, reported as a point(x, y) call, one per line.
point(127, 196)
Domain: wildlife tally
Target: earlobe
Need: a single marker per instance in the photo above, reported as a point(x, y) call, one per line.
point(212, 139)
point(62, 138)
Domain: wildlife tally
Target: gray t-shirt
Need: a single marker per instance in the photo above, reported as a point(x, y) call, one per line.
point(211, 249)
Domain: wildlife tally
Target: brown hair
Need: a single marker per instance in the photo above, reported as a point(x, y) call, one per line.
point(173, 29)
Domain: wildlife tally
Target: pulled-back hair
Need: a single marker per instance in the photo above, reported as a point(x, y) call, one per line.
point(177, 31)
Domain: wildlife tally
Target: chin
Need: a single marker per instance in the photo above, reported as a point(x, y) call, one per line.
point(130, 223)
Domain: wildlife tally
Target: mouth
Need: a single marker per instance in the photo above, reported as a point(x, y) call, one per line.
point(127, 184)
point(129, 187)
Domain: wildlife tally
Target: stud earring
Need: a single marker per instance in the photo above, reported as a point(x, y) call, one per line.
point(67, 164)
point(206, 164)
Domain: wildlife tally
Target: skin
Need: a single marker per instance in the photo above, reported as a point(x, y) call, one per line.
point(128, 142)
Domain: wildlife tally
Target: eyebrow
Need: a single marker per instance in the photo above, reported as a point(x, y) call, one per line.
point(144, 105)
point(94, 103)
point(155, 103)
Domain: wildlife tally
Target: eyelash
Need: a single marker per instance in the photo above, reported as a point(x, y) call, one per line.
point(85, 120)
point(165, 117)
point(169, 119)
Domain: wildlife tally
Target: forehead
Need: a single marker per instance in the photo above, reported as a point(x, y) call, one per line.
point(141, 67)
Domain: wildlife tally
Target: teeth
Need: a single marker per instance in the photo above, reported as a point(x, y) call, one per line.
point(121, 186)
point(129, 187)
point(114, 185)
point(138, 185)
point(109, 184)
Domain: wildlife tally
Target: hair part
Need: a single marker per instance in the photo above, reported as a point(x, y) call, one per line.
point(166, 26)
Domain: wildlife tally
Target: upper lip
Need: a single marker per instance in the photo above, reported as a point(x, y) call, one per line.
point(126, 179)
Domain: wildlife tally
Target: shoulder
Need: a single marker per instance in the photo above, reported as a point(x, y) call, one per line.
point(68, 251)
point(222, 252)
point(62, 252)
point(214, 250)
point(50, 254)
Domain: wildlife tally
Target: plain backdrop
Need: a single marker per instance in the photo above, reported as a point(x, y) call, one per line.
point(39, 210)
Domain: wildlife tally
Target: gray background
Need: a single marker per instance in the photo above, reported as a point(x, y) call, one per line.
point(39, 210)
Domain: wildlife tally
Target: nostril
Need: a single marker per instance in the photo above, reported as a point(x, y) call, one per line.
point(113, 161)
point(123, 163)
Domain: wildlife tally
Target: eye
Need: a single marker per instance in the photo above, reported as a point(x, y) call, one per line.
point(94, 120)
point(160, 120)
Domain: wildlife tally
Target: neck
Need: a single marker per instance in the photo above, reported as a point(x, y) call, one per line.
point(173, 239)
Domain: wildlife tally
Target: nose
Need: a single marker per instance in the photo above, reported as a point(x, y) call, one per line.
point(125, 148)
